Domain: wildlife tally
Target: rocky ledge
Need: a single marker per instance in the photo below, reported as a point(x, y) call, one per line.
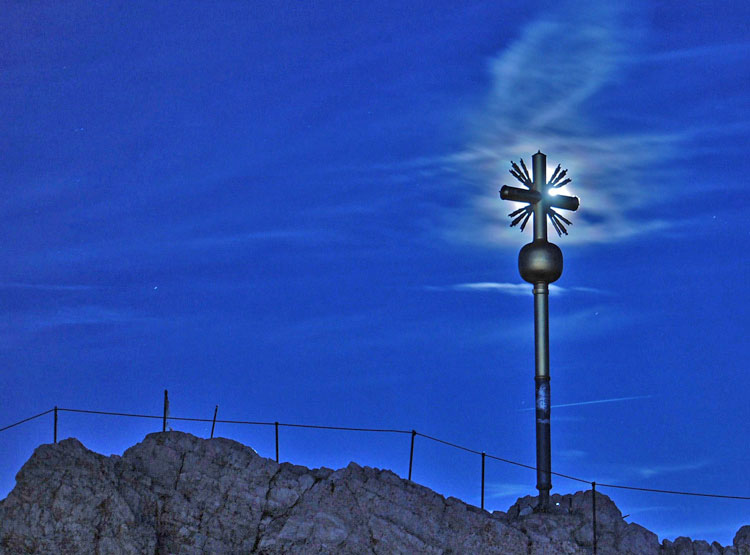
point(176, 493)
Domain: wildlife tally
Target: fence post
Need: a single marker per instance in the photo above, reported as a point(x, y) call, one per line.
point(213, 424)
point(166, 408)
point(483, 455)
point(55, 436)
point(593, 510)
point(411, 452)
point(276, 425)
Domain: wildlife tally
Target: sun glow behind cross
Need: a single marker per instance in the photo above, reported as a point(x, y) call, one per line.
point(552, 191)
point(538, 194)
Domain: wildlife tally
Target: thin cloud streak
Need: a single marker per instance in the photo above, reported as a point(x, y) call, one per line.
point(48, 286)
point(516, 289)
point(499, 490)
point(596, 402)
point(738, 49)
point(283, 235)
point(85, 315)
point(658, 470)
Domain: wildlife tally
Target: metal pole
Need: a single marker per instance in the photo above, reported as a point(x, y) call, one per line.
point(542, 393)
point(55, 436)
point(540, 263)
point(166, 408)
point(541, 346)
point(213, 424)
point(539, 167)
point(593, 510)
point(276, 425)
point(483, 455)
point(411, 452)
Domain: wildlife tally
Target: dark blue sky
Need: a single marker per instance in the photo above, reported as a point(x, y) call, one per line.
point(291, 210)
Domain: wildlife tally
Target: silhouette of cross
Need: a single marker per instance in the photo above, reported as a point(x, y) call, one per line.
point(540, 203)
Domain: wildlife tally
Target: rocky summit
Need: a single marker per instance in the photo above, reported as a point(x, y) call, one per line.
point(176, 493)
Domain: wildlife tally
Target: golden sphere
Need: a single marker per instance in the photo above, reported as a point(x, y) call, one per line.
point(540, 261)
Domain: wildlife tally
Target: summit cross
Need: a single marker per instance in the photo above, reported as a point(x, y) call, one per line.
point(540, 263)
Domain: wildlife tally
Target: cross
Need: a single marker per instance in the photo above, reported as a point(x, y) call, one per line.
point(538, 198)
point(540, 263)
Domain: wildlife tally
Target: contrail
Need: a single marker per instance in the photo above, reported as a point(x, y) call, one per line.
point(596, 402)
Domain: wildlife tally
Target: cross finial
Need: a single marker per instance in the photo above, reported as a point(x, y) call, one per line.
point(540, 203)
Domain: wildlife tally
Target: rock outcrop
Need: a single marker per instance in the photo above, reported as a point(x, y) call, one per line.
point(176, 493)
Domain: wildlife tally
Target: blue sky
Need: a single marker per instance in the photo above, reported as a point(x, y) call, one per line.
point(290, 210)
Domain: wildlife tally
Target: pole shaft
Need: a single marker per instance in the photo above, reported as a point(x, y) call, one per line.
point(539, 168)
point(213, 424)
point(166, 408)
point(55, 433)
point(483, 456)
point(593, 510)
point(276, 425)
point(542, 393)
point(411, 452)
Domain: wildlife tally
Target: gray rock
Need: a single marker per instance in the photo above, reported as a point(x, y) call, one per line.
point(176, 493)
point(742, 539)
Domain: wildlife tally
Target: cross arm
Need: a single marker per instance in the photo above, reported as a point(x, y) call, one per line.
point(532, 197)
point(520, 195)
point(563, 201)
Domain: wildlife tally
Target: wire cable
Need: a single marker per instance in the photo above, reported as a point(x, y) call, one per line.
point(676, 492)
point(26, 420)
point(379, 430)
point(347, 429)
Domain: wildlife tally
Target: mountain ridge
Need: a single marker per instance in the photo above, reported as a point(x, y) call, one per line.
point(177, 493)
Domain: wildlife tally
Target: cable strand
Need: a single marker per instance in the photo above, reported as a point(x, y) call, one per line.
point(26, 420)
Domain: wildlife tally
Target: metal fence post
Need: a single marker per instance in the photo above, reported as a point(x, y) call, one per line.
point(55, 436)
point(213, 424)
point(593, 510)
point(276, 425)
point(483, 456)
point(166, 408)
point(411, 452)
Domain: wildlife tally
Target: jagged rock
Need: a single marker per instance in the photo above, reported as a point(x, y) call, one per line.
point(741, 543)
point(742, 538)
point(176, 493)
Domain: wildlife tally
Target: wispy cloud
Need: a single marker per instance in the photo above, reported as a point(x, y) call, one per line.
point(498, 490)
point(506, 288)
point(36, 321)
point(571, 453)
point(21, 326)
point(658, 470)
point(279, 235)
point(541, 84)
point(737, 49)
point(596, 402)
point(48, 286)
point(181, 241)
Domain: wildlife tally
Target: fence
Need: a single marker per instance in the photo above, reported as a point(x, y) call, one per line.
point(413, 433)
